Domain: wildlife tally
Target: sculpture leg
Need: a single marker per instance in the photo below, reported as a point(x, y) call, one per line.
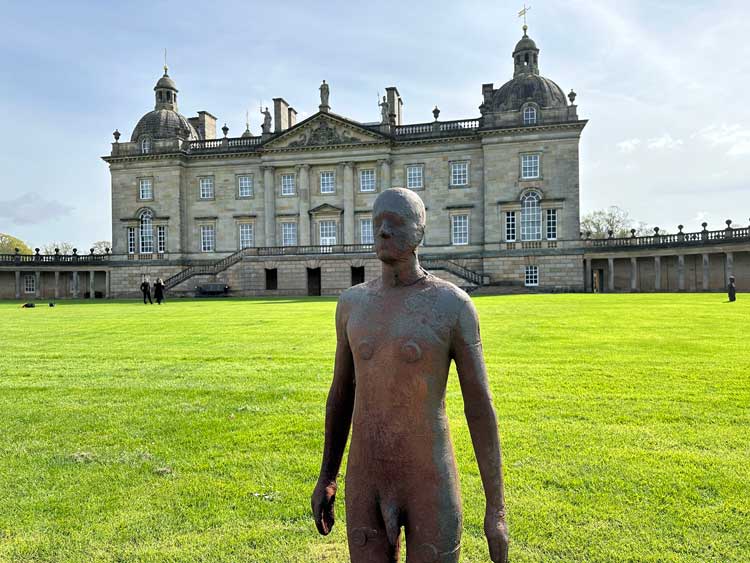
point(433, 526)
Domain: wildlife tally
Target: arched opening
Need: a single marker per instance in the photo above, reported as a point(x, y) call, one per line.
point(529, 115)
point(146, 145)
point(147, 232)
point(531, 216)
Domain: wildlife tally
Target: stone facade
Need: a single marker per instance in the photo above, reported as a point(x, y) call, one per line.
point(314, 183)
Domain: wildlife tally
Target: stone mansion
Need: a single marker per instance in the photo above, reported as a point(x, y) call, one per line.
point(289, 211)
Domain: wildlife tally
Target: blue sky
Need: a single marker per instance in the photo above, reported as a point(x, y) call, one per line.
point(664, 86)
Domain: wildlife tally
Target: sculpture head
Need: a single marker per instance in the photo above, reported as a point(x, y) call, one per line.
point(398, 224)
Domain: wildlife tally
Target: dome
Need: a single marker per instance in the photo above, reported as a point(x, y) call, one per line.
point(164, 124)
point(525, 44)
point(166, 82)
point(528, 88)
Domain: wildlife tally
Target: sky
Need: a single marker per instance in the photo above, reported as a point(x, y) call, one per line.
point(663, 85)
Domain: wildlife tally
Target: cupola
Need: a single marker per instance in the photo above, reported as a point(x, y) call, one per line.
point(166, 92)
point(525, 56)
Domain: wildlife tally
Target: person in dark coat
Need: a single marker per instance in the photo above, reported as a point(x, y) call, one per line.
point(146, 290)
point(732, 289)
point(159, 291)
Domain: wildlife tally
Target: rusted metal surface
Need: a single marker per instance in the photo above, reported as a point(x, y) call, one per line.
point(396, 337)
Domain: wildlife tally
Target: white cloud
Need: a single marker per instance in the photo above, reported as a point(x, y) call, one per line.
point(665, 142)
point(735, 137)
point(32, 209)
point(629, 145)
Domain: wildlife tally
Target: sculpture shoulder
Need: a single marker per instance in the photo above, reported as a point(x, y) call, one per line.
point(449, 294)
point(356, 294)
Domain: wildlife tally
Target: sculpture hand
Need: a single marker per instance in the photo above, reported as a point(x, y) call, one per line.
point(496, 531)
point(322, 501)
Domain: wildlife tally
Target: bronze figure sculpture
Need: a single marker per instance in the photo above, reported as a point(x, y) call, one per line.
point(396, 337)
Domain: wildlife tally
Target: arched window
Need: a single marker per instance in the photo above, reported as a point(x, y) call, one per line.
point(531, 216)
point(529, 115)
point(146, 145)
point(147, 232)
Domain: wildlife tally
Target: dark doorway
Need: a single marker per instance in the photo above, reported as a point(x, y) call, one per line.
point(598, 281)
point(313, 281)
point(272, 278)
point(358, 274)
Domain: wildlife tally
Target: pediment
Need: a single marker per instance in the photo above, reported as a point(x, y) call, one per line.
point(325, 208)
point(324, 130)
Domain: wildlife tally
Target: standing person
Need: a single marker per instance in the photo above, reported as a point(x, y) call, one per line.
point(146, 290)
point(732, 289)
point(159, 291)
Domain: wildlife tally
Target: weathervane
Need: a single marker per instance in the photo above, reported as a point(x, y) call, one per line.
point(522, 13)
point(166, 68)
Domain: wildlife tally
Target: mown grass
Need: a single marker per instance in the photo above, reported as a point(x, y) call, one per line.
point(192, 432)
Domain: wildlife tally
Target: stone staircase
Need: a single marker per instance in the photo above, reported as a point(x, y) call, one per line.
point(204, 269)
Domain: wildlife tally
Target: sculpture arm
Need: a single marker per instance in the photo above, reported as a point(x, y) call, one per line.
point(339, 407)
point(482, 422)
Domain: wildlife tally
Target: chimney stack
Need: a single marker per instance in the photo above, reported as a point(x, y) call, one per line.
point(395, 105)
point(280, 115)
point(292, 117)
point(204, 124)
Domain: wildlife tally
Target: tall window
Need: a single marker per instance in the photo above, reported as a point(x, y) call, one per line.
point(246, 235)
point(244, 186)
point(146, 145)
point(510, 226)
point(289, 234)
point(208, 238)
point(529, 166)
point(531, 276)
point(531, 216)
point(459, 229)
point(29, 283)
point(161, 239)
point(529, 115)
point(207, 188)
point(131, 240)
point(327, 182)
point(414, 177)
point(459, 173)
point(147, 233)
point(365, 231)
point(287, 184)
point(145, 188)
point(367, 180)
point(327, 233)
point(552, 224)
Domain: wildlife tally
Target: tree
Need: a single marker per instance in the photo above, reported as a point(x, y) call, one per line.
point(65, 247)
point(8, 245)
point(101, 246)
point(614, 219)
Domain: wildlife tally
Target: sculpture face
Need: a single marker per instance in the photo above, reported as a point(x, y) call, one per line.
point(399, 218)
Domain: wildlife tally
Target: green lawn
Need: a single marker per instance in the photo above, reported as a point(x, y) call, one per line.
point(192, 432)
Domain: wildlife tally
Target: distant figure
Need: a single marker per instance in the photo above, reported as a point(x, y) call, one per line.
point(146, 290)
point(28, 306)
point(159, 291)
point(732, 289)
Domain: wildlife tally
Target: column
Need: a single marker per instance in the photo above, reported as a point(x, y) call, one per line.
point(37, 284)
point(18, 285)
point(681, 272)
point(57, 285)
point(730, 267)
point(106, 284)
point(348, 203)
point(75, 285)
point(706, 272)
point(269, 201)
point(587, 276)
point(611, 273)
point(91, 283)
point(385, 173)
point(303, 172)
point(634, 274)
point(657, 273)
